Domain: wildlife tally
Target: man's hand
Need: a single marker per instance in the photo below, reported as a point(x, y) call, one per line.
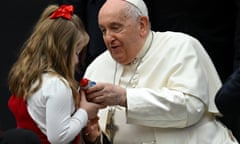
point(107, 94)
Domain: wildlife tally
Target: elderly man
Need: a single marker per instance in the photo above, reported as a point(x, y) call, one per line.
point(158, 87)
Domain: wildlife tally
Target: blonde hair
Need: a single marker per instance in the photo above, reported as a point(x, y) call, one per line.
point(50, 47)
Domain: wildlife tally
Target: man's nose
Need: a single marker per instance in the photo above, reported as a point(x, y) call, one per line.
point(109, 36)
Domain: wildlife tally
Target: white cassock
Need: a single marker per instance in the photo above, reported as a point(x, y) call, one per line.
point(171, 87)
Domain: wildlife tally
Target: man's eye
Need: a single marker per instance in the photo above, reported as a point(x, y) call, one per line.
point(116, 29)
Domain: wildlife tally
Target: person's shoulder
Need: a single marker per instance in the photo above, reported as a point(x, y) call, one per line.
point(50, 80)
point(102, 62)
point(177, 41)
point(54, 85)
point(178, 37)
point(103, 58)
point(175, 35)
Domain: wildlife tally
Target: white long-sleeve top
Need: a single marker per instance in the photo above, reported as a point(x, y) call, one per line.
point(170, 99)
point(52, 108)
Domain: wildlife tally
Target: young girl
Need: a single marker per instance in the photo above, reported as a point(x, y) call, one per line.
point(45, 95)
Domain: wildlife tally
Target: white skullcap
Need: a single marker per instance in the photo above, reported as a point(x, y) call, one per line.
point(140, 5)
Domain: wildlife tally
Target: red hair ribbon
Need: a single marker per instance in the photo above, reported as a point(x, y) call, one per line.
point(64, 11)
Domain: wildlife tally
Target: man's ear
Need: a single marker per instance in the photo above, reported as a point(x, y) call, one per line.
point(144, 25)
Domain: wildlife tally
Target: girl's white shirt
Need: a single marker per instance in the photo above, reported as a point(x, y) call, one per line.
point(52, 108)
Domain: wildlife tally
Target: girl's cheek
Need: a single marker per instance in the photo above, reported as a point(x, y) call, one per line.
point(75, 61)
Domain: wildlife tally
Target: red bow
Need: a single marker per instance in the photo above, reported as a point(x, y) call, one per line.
point(65, 11)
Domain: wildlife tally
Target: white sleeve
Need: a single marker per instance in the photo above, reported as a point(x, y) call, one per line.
point(165, 108)
point(62, 126)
